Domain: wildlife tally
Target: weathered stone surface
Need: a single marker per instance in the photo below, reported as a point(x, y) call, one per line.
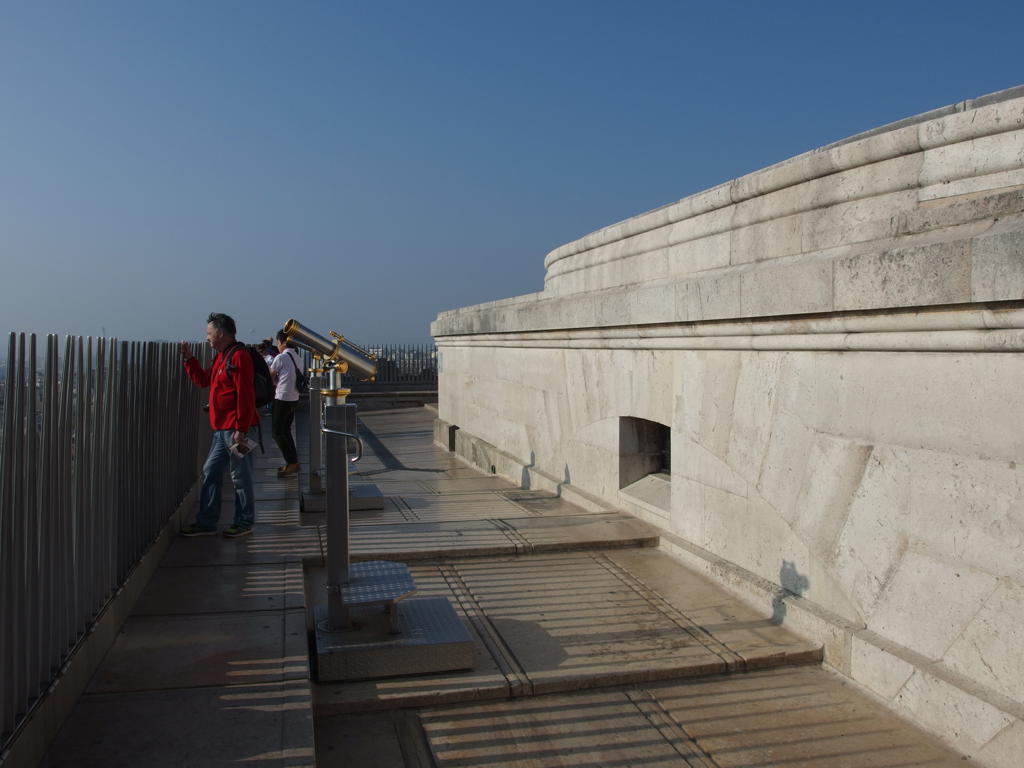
point(930, 274)
point(997, 266)
point(842, 392)
point(941, 707)
point(988, 650)
point(778, 290)
point(956, 593)
point(1005, 749)
point(879, 671)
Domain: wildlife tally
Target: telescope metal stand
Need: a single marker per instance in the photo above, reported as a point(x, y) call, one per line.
point(366, 623)
point(313, 500)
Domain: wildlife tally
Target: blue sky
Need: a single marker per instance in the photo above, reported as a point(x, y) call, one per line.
point(363, 166)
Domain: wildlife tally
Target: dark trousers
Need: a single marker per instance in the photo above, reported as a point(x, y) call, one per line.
point(281, 423)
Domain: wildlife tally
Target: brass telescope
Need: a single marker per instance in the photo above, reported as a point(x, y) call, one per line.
point(337, 351)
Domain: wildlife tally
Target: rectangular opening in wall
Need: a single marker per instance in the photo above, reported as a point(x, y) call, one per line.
point(645, 462)
point(452, 431)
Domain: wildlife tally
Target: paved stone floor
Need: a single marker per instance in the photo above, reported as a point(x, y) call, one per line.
point(593, 647)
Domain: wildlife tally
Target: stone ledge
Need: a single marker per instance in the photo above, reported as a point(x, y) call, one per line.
point(927, 131)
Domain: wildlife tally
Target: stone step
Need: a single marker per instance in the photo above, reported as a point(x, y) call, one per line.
point(409, 541)
point(552, 623)
point(797, 718)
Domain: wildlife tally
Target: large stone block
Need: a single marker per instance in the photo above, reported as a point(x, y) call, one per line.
point(930, 274)
point(1004, 750)
point(787, 289)
point(989, 649)
point(699, 254)
point(782, 472)
point(709, 298)
point(973, 157)
point(969, 511)
point(880, 671)
point(834, 470)
point(961, 718)
point(984, 120)
point(874, 539)
point(955, 595)
point(767, 240)
point(753, 413)
point(949, 403)
point(892, 143)
point(692, 461)
point(709, 388)
point(857, 221)
point(985, 184)
point(997, 267)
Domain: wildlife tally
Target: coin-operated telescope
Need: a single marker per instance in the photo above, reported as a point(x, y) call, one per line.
point(336, 352)
point(336, 356)
point(333, 358)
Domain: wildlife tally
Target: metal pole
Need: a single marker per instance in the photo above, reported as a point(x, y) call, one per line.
point(339, 427)
point(316, 461)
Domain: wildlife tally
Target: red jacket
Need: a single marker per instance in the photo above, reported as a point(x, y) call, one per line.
point(232, 397)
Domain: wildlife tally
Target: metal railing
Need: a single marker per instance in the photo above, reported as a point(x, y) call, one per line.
point(401, 364)
point(99, 446)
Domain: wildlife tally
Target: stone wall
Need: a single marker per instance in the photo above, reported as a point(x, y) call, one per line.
point(834, 345)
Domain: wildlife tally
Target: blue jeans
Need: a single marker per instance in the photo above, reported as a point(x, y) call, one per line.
point(213, 475)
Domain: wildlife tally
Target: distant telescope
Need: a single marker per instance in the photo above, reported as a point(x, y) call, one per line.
point(338, 350)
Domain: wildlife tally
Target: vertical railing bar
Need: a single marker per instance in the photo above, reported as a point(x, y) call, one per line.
point(7, 585)
point(89, 439)
point(46, 493)
point(115, 536)
point(110, 537)
point(66, 470)
point(18, 517)
point(79, 485)
point(31, 512)
point(102, 516)
point(92, 505)
point(134, 505)
point(100, 513)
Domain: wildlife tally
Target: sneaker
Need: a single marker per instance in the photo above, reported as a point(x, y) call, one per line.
point(236, 530)
point(196, 530)
point(288, 469)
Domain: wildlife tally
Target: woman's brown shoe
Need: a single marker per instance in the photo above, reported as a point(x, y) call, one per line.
point(288, 469)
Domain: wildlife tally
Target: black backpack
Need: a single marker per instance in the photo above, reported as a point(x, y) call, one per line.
point(301, 380)
point(263, 385)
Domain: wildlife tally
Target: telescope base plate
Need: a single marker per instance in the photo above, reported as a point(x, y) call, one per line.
point(432, 638)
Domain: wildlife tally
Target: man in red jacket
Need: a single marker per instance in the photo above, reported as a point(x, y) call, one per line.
point(232, 415)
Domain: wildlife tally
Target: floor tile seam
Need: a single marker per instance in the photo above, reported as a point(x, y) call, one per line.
point(516, 679)
point(284, 653)
point(520, 542)
point(177, 566)
point(290, 559)
point(207, 614)
point(487, 633)
point(531, 513)
point(731, 658)
point(138, 692)
point(408, 512)
point(653, 710)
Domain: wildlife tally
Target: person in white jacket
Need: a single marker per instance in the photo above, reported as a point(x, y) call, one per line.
point(285, 371)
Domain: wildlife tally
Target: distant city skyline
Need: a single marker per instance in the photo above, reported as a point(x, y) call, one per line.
point(362, 167)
